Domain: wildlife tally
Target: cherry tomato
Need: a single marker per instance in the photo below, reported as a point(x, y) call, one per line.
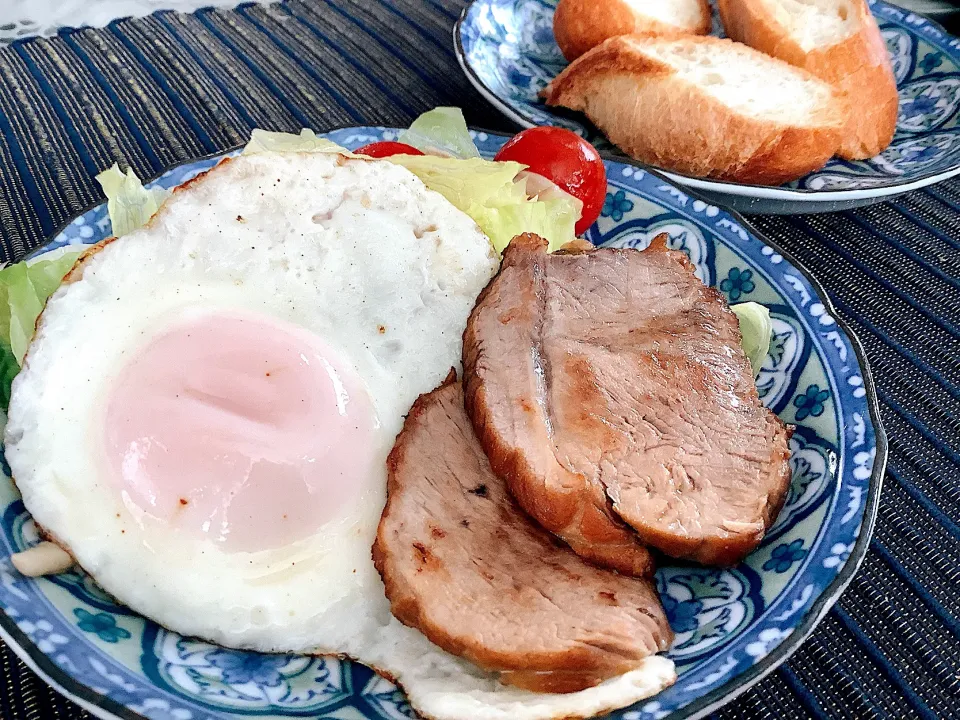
point(387, 148)
point(567, 160)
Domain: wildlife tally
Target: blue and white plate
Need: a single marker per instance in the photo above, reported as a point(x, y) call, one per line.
point(507, 50)
point(732, 626)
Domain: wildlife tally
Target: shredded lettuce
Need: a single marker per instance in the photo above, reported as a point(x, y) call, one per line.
point(129, 203)
point(24, 289)
point(755, 331)
point(441, 131)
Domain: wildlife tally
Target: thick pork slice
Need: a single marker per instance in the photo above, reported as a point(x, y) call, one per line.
point(617, 375)
point(465, 566)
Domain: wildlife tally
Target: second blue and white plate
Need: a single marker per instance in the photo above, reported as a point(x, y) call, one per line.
point(507, 50)
point(732, 626)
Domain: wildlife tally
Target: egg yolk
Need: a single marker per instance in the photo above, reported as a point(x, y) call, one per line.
point(243, 429)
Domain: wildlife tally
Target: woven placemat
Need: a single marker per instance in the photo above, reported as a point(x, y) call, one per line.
point(158, 91)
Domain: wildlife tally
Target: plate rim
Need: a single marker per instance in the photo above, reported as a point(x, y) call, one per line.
point(722, 187)
point(104, 707)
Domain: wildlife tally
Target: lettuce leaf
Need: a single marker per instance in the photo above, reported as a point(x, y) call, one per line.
point(24, 289)
point(495, 196)
point(21, 307)
point(8, 371)
point(464, 182)
point(47, 271)
point(129, 204)
point(262, 141)
point(755, 330)
point(441, 130)
point(553, 220)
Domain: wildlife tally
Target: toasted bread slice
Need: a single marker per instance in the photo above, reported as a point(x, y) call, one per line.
point(836, 40)
point(579, 25)
point(705, 106)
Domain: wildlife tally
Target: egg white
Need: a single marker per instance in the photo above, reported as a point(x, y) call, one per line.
point(384, 271)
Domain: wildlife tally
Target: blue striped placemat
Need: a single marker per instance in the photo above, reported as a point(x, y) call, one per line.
point(158, 91)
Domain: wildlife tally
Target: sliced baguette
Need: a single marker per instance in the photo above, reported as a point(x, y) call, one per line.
point(579, 25)
point(704, 106)
point(836, 40)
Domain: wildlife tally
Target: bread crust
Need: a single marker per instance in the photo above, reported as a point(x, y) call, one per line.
point(657, 118)
point(579, 25)
point(858, 67)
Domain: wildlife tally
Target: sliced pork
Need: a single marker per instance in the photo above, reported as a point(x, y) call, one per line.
point(609, 386)
point(465, 566)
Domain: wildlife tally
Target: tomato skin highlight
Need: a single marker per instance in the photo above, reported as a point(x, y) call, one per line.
point(567, 160)
point(386, 148)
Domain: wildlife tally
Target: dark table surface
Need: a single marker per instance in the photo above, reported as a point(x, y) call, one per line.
point(159, 91)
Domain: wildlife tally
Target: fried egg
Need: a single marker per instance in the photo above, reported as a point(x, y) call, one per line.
point(204, 414)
